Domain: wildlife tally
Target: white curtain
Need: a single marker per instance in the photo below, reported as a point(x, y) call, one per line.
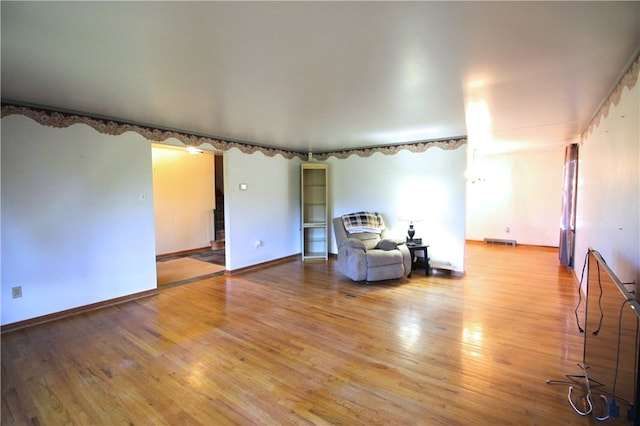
point(568, 215)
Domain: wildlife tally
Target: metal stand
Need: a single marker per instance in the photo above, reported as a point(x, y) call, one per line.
point(584, 404)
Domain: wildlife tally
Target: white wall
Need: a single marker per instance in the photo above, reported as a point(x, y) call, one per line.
point(608, 210)
point(184, 198)
point(429, 184)
point(77, 217)
point(71, 204)
point(268, 210)
point(519, 198)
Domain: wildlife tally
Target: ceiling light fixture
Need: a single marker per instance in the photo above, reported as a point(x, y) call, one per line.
point(193, 149)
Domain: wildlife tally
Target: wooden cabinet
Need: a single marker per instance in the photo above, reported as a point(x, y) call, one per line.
point(313, 193)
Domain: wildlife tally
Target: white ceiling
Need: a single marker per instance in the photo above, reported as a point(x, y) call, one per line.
point(323, 76)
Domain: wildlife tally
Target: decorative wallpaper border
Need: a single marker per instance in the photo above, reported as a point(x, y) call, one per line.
point(52, 118)
point(445, 144)
point(58, 119)
point(629, 81)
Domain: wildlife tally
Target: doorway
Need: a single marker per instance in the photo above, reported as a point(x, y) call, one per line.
point(188, 194)
point(218, 213)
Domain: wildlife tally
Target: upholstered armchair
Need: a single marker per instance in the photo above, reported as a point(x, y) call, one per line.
point(366, 251)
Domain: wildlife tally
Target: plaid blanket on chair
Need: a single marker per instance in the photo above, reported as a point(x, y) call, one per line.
point(363, 222)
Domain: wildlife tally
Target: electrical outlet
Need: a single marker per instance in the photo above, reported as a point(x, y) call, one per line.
point(16, 292)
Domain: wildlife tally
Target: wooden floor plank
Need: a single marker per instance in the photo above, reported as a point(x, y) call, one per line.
point(298, 343)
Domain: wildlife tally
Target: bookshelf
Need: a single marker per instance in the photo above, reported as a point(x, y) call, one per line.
point(314, 209)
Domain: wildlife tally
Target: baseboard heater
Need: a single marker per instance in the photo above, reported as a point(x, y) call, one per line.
point(500, 242)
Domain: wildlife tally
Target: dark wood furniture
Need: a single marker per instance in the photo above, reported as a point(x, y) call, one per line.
point(419, 261)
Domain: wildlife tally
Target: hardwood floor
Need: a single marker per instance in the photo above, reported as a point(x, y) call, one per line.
point(298, 343)
point(214, 254)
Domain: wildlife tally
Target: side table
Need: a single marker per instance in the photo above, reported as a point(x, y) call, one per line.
point(416, 261)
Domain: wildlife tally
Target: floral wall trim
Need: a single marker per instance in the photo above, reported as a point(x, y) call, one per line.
point(51, 118)
point(629, 81)
point(114, 128)
point(416, 147)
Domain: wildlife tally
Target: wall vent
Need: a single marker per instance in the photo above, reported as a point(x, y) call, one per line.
point(499, 242)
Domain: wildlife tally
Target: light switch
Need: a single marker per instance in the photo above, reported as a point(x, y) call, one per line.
point(243, 187)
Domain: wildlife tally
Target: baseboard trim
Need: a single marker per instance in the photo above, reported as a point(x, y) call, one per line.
point(76, 311)
point(481, 242)
point(130, 298)
point(263, 265)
